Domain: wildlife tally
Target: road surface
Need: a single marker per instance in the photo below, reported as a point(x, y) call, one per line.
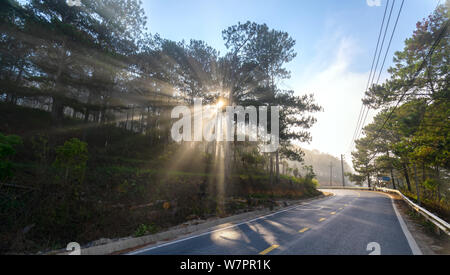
point(351, 222)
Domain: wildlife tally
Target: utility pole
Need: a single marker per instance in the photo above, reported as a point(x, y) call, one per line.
point(331, 173)
point(342, 167)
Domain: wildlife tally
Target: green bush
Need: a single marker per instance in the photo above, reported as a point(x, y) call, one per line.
point(7, 150)
point(72, 157)
point(431, 184)
point(315, 183)
point(144, 229)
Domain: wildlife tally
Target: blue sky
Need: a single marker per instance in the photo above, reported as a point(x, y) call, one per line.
point(336, 40)
point(335, 44)
point(310, 23)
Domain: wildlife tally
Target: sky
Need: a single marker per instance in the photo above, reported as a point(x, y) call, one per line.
point(335, 42)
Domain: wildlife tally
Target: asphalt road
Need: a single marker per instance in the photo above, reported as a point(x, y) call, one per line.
point(349, 223)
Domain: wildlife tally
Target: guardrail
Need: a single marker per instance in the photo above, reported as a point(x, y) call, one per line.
point(345, 187)
point(439, 223)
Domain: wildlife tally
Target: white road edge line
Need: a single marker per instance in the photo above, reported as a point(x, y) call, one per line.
point(221, 229)
point(412, 243)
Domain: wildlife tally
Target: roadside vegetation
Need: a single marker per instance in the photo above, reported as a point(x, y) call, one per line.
point(58, 188)
point(409, 140)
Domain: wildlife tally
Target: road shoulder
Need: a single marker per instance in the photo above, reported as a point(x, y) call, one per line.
point(426, 238)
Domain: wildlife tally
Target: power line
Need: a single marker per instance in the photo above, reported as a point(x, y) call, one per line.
point(342, 167)
point(331, 173)
point(376, 66)
point(387, 52)
point(416, 74)
point(357, 127)
point(390, 41)
point(362, 125)
point(382, 43)
point(363, 107)
point(378, 43)
point(430, 53)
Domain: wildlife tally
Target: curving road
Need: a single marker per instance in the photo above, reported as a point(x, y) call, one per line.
point(344, 224)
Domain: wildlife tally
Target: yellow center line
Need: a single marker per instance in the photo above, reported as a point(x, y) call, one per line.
point(333, 213)
point(269, 249)
point(304, 230)
point(322, 219)
point(341, 208)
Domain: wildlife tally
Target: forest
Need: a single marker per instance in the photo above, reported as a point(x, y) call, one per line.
point(408, 141)
point(85, 147)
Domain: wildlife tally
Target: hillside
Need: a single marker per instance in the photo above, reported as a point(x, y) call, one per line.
point(321, 165)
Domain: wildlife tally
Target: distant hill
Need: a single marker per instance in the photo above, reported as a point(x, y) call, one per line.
point(321, 165)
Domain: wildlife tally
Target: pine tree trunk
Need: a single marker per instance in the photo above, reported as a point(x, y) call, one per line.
point(393, 180)
point(57, 109)
point(86, 115)
point(132, 119)
point(271, 169)
point(438, 183)
point(17, 82)
point(424, 174)
point(406, 174)
point(277, 167)
point(417, 184)
point(57, 105)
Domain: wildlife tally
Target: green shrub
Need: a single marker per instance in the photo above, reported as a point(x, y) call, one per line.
point(144, 229)
point(72, 157)
point(315, 183)
point(431, 184)
point(7, 150)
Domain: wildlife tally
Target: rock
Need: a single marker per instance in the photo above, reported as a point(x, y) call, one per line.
point(100, 242)
point(192, 217)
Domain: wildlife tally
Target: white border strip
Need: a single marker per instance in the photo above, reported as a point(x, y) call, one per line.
point(412, 243)
point(438, 222)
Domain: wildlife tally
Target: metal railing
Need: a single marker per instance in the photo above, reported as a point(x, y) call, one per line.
point(438, 222)
point(345, 187)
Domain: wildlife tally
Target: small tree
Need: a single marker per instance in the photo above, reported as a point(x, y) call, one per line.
point(296, 172)
point(72, 158)
point(309, 172)
point(7, 150)
point(356, 178)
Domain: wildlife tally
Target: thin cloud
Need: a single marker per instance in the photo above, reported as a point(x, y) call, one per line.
point(373, 3)
point(338, 90)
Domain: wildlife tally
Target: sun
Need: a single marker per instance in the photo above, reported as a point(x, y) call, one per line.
point(220, 104)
